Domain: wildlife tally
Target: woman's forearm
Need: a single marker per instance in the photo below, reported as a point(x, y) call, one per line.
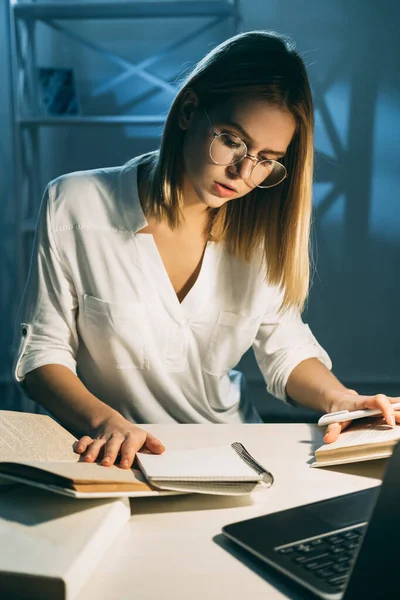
point(62, 393)
point(313, 385)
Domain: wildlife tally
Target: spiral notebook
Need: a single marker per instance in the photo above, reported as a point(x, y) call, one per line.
point(216, 470)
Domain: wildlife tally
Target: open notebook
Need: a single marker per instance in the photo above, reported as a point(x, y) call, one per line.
point(36, 450)
point(217, 470)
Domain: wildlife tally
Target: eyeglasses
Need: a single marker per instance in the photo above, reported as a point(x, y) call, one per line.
point(227, 149)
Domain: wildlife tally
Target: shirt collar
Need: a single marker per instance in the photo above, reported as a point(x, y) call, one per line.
point(129, 196)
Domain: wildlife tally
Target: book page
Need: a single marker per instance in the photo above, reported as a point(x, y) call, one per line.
point(219, 463)
point(373, 430)
point(27, 436)
point(81, 472)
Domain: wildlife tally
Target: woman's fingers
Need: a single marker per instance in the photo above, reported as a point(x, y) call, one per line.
point(334, 430)
point(385, 405)
point(127, 446)
point(93, 450)
point(380, 401)
point(111, 450)
point(117, 437)
point(153, 444)
point(83, 443)
point(128, 452)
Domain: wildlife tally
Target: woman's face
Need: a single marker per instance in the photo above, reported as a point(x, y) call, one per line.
point(266, 130)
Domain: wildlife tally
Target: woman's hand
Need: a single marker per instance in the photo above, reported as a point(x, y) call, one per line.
point(351, 400)
point(115, 435)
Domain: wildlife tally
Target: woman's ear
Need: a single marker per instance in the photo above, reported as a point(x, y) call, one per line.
point(189, 103)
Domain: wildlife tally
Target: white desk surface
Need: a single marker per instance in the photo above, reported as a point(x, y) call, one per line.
point(173, 548)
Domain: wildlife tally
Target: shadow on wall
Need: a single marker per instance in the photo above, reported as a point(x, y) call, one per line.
point(354, 313)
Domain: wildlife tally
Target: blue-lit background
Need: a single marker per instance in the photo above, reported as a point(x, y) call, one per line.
point(351, 50)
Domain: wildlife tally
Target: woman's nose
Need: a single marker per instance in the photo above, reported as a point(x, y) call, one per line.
point(244, 167)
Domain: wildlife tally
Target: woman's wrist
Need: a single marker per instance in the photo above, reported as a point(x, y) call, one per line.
point(313, 385)
point(335, 398)
point(104, 415)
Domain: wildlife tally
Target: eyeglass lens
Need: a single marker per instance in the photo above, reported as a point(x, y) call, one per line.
point(227, 149)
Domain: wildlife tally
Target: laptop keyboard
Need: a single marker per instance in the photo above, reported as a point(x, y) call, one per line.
point(329, 557)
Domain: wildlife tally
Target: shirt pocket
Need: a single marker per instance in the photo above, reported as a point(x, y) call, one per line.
point(116, 332)
point(232, 336)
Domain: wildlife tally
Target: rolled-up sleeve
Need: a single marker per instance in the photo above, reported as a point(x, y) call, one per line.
point(283, 341)
point(45, 331)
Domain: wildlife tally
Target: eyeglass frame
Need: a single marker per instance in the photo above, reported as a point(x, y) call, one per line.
point(253, 158)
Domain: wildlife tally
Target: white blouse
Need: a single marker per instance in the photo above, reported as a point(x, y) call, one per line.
point(99, 301)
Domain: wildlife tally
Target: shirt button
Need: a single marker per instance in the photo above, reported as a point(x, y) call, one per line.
point(24, 331)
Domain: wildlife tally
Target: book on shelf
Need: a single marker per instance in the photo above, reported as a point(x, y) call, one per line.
point(52, 544)
point(58, 92)
point(36, 450)
point(365, 439)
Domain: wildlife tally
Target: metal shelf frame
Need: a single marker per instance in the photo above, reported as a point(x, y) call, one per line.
point(28, 117)
point(33, 122)
point(123, 10)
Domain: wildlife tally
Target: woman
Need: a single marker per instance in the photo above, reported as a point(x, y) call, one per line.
point(150, 281)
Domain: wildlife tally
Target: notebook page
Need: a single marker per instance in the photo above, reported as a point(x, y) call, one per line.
point(207, 487)
point(218, 463)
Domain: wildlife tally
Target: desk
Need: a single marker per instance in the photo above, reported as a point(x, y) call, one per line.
point(173, 549)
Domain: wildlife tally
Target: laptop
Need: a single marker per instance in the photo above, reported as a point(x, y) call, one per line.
point(343, 548)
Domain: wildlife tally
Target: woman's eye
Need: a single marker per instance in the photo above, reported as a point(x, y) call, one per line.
point(230, 142)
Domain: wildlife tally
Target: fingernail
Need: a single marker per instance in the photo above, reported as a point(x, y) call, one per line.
point(80, 448)
point(392, 420)
point(88, 456)
point(124, 463)
point(106, 460)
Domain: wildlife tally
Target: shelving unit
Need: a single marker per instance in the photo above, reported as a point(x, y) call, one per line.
point(27, 115)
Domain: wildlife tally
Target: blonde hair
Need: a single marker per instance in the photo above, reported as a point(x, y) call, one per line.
point(277, 220)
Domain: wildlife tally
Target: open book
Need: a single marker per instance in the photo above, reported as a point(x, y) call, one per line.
point(36, 450)
point(367, 439)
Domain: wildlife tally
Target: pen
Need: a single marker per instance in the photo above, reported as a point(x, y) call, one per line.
point(345, 415)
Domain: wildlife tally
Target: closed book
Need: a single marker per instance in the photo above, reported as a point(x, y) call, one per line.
point(51, 544)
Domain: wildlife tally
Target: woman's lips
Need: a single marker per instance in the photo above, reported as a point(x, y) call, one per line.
point(224, 191)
